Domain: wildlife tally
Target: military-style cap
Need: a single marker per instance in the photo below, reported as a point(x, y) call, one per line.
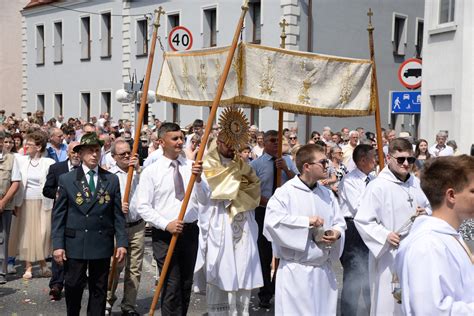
point(88, 139)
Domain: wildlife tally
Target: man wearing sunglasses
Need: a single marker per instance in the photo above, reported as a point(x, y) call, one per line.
point(305, 225)
point(384, 216)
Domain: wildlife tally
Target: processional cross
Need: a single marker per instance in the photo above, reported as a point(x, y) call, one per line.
point(283, 25)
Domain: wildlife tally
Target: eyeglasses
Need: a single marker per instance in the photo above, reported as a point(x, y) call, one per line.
point(315, 138)
point(123, 154)
point(293, 138)
point(323, 162)
point(401, 160)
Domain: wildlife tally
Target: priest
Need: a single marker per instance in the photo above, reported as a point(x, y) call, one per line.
point(228, 253)
point(384, 216)
point(435, 266)
point(304, 223)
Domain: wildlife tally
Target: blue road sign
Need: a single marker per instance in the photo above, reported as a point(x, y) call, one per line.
point(405, 102)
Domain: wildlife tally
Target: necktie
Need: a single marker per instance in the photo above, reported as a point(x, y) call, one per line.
point(91, 181)
point(178, 181)
point(367, 180)
point(275, 170)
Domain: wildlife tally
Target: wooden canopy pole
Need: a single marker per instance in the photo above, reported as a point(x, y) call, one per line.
point(138, 127)
point(378, 126)
point(192, 180)
point(283, 25)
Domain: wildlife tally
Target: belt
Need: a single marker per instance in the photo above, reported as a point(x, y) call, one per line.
point(132, 224)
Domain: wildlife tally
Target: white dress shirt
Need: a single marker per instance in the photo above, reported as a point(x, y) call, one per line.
point(351, 188)
point(156, 201)
point(132, 215)
point(96, 174)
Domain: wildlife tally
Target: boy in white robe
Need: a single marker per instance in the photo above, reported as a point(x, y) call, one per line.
point(296, 215)
point(384, 216)
point(228, 251)
point(435, 266)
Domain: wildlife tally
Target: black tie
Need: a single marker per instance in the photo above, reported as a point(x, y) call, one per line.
point(367, 180)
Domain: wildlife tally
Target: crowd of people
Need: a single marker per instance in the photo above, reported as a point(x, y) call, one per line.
point(63, 185)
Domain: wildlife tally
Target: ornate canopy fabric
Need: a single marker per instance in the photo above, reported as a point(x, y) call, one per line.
point(265, 76)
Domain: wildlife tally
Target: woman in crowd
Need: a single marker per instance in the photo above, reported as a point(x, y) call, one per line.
point(421, 153)
point(31, 230)
point(337, 169)
point(18, 140)
point(9, 144)
point(192, 151)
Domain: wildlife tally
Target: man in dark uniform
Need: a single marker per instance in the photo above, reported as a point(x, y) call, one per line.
point(86, 216)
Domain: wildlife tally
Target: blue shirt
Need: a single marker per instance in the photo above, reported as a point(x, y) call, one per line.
point(53, 154)
point(263, 167)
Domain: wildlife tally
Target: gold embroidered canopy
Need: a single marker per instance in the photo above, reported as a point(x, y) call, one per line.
point(261, 76)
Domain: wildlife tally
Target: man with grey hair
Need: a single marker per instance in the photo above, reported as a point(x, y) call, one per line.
point(135, 228)
point(440, 148)
point(56, 149)
point(349, 149)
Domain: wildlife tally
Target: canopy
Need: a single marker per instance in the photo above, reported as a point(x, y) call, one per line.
point(261, 76)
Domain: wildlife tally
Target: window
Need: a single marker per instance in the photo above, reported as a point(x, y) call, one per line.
point(58, 42)
point(254, 116)
point(142, 37)
point(175, 107)
point(254, 10)
point(86, 106)
point(40, 45)
point(85, 38)
point(419, 38)
point(173, 21)
point(58, 104)
point(40, 102)
point(399, 34)
point(446, 11)
point(106, 35)
point(210, 28)
point(106, 99)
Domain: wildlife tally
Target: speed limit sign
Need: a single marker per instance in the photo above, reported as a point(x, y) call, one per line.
point(180, 39)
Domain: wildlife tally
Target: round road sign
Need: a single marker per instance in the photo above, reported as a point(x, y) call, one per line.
point(409, 73)
point(180, 38)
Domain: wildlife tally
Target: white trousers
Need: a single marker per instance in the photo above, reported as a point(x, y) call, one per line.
point(223, 303)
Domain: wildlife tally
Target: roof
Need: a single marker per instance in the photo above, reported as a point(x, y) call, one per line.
point(37, 3)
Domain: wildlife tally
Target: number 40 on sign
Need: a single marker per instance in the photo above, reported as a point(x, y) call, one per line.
point(180, 38)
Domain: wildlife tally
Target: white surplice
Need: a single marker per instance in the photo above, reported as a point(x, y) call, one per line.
point(305, 282)
point(228, 249)
point(386, 206)
point(436, 273)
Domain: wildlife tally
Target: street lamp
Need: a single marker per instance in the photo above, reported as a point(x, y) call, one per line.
point(132, 92)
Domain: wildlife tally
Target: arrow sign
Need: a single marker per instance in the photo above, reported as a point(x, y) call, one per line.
point(409, 73)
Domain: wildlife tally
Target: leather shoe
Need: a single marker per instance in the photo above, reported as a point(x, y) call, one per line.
point(130, 313)
point(55, 293)
point(264, 304)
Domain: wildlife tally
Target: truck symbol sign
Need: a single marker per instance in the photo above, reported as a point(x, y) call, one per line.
point(414, 72)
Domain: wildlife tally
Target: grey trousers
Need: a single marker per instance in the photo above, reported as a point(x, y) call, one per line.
point(5, 223)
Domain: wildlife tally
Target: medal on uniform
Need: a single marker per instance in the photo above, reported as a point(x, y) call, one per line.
point(107, 197)
point(79, 199)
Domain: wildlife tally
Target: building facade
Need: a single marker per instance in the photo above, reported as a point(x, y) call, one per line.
point(447, 89)
point(104, 42)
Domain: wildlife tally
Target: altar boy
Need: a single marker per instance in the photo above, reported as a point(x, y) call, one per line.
point(435, 266)
point(305, 225)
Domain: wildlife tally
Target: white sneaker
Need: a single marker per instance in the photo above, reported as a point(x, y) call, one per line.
point(11, 269)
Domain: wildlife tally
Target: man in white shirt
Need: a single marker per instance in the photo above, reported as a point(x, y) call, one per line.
point(160, 195)
point(383, 217)
point(355, 258)
point(440, 148)
point(304, 223)
point(228, 241)
point(135, 228)
point(434, 264)
point(348, 149)
point(11, 177)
